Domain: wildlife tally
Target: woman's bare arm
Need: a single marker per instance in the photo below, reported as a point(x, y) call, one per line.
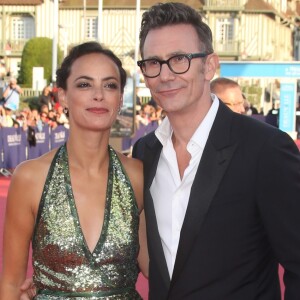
point(22, 203)
point(18, 227)
point(134, 169)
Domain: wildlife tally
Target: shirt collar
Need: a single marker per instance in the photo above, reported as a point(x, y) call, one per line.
point(164, 131)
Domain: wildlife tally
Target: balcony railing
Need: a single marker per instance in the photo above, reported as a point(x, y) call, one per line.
point(224, 5)
point(12, 47)
point(227, 48)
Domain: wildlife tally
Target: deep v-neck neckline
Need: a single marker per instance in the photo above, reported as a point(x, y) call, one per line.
point(90, 254)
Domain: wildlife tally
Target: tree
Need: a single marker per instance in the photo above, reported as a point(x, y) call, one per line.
point(37, 52)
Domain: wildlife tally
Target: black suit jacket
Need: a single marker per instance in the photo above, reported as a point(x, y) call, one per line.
point(242, 219)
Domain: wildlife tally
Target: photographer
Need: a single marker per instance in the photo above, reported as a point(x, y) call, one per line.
point(11, 95)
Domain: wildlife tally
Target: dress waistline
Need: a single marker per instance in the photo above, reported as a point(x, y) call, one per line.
point(85, 294)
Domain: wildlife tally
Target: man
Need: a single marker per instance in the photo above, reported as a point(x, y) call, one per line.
point(6, 117)
point(11, 95)
point(229, 92)
point(221, 189)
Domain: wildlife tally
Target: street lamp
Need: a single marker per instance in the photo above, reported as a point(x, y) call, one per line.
point(54, 40)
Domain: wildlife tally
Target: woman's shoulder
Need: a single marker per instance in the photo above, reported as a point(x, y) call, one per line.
point(34, 169)
point(130, 164)
point(28, 181)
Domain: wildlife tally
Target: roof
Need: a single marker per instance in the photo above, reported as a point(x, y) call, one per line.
point(119, 3)
point(259, 5)
point(251, 5)
point(21, 2)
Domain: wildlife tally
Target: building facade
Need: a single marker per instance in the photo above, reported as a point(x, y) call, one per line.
point(242, 30)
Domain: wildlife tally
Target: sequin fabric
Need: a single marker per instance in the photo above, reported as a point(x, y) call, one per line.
point(64, 267)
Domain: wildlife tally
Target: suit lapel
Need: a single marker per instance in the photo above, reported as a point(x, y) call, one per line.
point(152, 153)
point(214, 162)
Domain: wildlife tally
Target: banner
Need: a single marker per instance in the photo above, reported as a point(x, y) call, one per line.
point(14, 146)
point(141, 131)
point(42, 143)
point(59, 135)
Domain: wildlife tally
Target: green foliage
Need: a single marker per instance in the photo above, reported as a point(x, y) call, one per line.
point(253, 94)
point(37, 53)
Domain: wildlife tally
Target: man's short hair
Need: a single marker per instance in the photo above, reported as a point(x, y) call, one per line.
point(171, 13)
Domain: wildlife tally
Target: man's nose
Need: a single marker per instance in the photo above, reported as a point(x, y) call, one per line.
point(166, 73)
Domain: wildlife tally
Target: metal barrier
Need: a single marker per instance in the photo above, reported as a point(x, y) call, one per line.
point(29, 93)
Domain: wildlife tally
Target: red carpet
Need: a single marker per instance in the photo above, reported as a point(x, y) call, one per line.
point(142, 283)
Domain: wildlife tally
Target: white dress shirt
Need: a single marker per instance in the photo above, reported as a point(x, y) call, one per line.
point(171, 194)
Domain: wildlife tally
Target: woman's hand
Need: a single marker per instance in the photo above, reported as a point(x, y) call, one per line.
point(27, 289)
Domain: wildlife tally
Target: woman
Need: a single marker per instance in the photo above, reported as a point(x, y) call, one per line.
point(80, 203)
point(46, 97)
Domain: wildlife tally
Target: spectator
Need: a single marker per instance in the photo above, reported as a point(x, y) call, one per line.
point(11, 95)
point(253, 109)
point(272, 116)
point(249, 108)
point(44, 118)
point(52, 119)
point(141, 117)
point(46, 97)
point(61, 117)
point(34, 120)
point(6, 117)
point(229, 92)
point(44, 108)
point(54, 93)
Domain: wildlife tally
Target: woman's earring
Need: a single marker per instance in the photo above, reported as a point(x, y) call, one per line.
point(65, 110)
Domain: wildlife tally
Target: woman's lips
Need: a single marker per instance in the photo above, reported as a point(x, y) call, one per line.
point(97, 110)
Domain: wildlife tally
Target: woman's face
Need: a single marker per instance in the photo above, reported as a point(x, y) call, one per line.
point(93, 96)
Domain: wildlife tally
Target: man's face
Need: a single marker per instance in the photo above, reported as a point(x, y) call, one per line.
point(13, 83)
point(177, 92)
point(233, 98)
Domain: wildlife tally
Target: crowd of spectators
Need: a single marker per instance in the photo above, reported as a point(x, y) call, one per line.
point(148, 113)
point(48, 112)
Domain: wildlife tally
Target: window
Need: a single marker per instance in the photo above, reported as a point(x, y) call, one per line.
point(91, 28)
point(23, 27)
point(225, 34)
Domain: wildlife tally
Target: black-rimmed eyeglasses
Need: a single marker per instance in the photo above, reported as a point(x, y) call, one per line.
point(178, 64)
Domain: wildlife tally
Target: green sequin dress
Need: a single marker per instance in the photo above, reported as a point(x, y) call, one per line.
point(64, 267)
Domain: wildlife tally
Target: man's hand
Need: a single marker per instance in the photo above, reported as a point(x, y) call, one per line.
point(27, 290)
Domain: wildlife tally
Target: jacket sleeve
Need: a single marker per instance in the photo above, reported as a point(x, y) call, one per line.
point(278, 186)
point(138, 149)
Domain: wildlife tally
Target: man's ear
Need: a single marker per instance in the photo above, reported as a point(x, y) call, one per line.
point(211, 66)
point(62, 97)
